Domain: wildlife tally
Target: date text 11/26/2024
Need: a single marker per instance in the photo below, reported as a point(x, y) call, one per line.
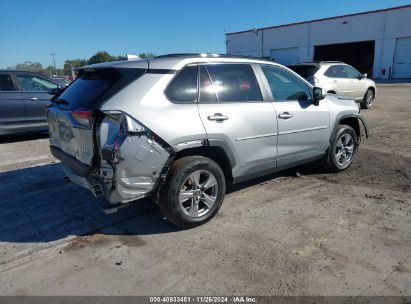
point(203, 299)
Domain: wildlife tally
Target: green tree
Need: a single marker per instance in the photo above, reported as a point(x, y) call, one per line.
point(49, 71)
point(119, 58)
point(28, 66)
point(101, 57)
point(146, 55)
point(75, 63)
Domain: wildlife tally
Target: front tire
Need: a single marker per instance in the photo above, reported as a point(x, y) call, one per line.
point(342, 150)
point(193, 192)
point(367, 100)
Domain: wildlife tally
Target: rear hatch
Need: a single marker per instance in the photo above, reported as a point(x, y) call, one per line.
point(74, 112)
point(306, 71)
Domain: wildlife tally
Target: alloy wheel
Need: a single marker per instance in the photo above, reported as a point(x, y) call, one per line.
point(344, 150)
point(369, 99)
point(198, 193)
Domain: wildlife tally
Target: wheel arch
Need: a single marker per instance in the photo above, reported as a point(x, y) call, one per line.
point(353, 123)
point(353, 120)
point(214, 152)
point(372, 89)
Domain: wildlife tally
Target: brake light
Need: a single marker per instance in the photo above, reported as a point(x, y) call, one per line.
point(82, 114)
point(82, 117)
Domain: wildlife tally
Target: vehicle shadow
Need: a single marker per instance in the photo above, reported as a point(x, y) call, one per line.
point(306, 169)
point(39, 204)
point(5, 139)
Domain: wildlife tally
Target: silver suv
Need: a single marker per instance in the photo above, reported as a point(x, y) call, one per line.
point(338, 78)
point(179, 128)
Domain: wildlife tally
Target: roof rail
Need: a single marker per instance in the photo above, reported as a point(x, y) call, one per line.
point(331, 61)
point(210, 55)
point(319, 62)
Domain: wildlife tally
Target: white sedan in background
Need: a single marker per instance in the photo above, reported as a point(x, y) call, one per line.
point(338, 78)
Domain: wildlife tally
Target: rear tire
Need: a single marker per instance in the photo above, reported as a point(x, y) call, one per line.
point(342, 150)
point(367, 100)
point(193, 191)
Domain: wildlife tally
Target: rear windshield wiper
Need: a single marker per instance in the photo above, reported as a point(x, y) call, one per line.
point(60, 101)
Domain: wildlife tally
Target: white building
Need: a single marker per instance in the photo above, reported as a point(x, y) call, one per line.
point(376, 42)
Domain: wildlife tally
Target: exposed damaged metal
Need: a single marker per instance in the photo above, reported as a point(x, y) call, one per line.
point(132, 158)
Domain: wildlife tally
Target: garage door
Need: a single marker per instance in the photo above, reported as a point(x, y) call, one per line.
point(402, 58)
point(285, 56)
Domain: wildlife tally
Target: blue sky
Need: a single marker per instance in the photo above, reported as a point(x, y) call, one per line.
point(32, 29)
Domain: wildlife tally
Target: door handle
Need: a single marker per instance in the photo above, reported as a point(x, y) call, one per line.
point(32, 98)
point(217, 117)
point(285, 115)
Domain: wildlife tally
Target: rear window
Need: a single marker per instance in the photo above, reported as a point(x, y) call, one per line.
point(183, 88)
point(305, 71)
point(92, 86)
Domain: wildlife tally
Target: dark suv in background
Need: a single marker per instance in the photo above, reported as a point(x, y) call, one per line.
point(23, 98)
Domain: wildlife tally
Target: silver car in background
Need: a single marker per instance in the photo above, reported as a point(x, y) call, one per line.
point(181, 127)
point(338, 78)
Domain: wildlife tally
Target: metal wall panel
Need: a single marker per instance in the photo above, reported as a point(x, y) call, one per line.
point(285, 56)
point(383, 26)
point(398, 23)
point(347, 29)
point(402, 58)
point(248, 43)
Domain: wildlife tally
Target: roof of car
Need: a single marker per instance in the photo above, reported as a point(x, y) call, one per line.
point(176, 61)
point(325, 62)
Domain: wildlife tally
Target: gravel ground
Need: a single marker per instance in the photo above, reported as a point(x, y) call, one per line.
point(287, 234)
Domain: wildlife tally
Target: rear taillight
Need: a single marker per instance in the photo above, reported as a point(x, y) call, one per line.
point(82, 114)
point(82, 117)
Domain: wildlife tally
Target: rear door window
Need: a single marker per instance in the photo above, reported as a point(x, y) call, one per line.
point(207, 91)
point(330, 72)
point(6, 84)
point(351, 72)
point(183, 88)
point(335, 71)
point(233, 83)
point(33, 83)
point(339, 71)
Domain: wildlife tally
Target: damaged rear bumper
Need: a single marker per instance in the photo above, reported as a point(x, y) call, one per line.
point(134, 176)
point(131, 158)
point(141, 161)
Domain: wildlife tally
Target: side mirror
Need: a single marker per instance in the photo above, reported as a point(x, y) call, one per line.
point(365, 75)
point(318, 95)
